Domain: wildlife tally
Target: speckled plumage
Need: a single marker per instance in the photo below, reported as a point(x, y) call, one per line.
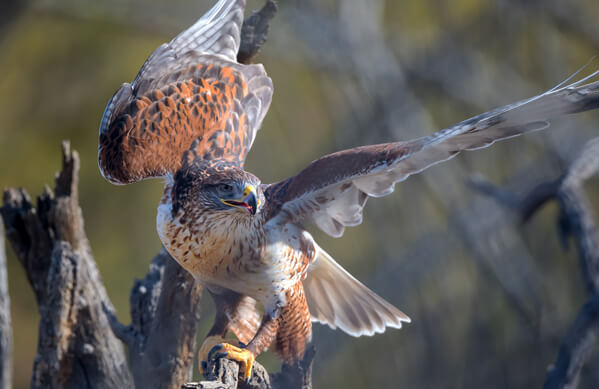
point(191, 116)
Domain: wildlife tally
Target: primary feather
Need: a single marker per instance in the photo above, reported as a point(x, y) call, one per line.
point(331, 192)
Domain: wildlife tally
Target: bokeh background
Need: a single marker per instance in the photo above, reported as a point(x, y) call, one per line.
point(490, 299)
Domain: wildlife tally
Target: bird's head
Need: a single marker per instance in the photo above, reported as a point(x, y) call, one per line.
point(236, 195)
point(219, 189)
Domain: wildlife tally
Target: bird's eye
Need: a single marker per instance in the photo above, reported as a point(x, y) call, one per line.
point(225, 188)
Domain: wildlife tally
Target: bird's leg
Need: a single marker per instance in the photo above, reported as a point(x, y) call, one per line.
point(216, 336)
point(266, 333)
point(247, 354)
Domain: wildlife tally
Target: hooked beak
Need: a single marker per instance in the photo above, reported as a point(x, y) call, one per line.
point(249, 201)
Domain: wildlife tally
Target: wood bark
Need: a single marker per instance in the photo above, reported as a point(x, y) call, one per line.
point(223, 374)
point(575, 348)
point(165, 310)
point(5, 328)
point(254, 32)
point(76, 346)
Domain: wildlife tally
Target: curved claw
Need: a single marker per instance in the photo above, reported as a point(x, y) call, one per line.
point(241, 355)
point(207, 346)
point(215, 347)
point(213, 353)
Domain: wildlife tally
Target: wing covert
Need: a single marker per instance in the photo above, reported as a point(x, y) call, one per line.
point(332, 191)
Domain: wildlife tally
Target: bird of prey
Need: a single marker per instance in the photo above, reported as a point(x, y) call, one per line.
point(191, 116)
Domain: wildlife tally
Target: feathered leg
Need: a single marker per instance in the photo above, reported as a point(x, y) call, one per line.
point(295, 327)
point(289, 328)
point(235, 313)
point(247, 354)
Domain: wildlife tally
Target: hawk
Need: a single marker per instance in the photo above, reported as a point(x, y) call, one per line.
point(191, 116)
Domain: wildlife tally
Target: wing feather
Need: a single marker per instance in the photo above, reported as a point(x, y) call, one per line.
point(331, 192)
point(190, 91)
point(336, 298)
point(216, 32)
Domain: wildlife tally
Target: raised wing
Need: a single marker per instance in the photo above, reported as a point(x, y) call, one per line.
point(189, 89)
point(332, 191)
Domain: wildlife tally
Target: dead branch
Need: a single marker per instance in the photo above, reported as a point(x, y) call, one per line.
point(223, 374)
point(5, 328)
point(575, 348)
point(576, 215)
point(165, 310)
point(576, 220)
point(255, 31)
point(76, 346)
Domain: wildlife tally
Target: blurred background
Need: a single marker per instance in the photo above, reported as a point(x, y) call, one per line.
point(490, 299)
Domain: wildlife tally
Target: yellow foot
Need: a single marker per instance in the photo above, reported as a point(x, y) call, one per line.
point(215, 347)
point(241, 355)
point(209, 343)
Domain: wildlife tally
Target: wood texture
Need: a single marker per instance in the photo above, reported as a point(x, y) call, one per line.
point(223, 374)
point(5, 328)
point(165, 311)
point(76, 346)
point(254, 32)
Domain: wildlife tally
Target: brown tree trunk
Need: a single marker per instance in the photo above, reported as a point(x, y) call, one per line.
point(76, 346)
point(5, 328)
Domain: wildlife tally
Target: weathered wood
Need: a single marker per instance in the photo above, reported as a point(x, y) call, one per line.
point(76, 346)
point(254, 32)
point(575, 348)
point(576, 221)
point(165, 310)
point(5, 328)
point(223, 374)
point(298, 375)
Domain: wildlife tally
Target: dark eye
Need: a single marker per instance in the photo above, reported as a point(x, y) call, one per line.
point(225, 188)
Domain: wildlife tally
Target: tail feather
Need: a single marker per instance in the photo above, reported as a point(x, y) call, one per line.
point(336, 298)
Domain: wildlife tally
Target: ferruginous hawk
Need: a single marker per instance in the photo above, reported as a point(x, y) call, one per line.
point(191, 116)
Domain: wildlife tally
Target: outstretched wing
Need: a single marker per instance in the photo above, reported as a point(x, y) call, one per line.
point(332, 191)
point(189, 89)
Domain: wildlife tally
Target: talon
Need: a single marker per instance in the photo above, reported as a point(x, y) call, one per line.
point(203, 355)
point(215, 347)
point(243, 356)
point(214, 350)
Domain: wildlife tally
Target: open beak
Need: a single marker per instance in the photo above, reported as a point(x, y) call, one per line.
point(249, 201)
